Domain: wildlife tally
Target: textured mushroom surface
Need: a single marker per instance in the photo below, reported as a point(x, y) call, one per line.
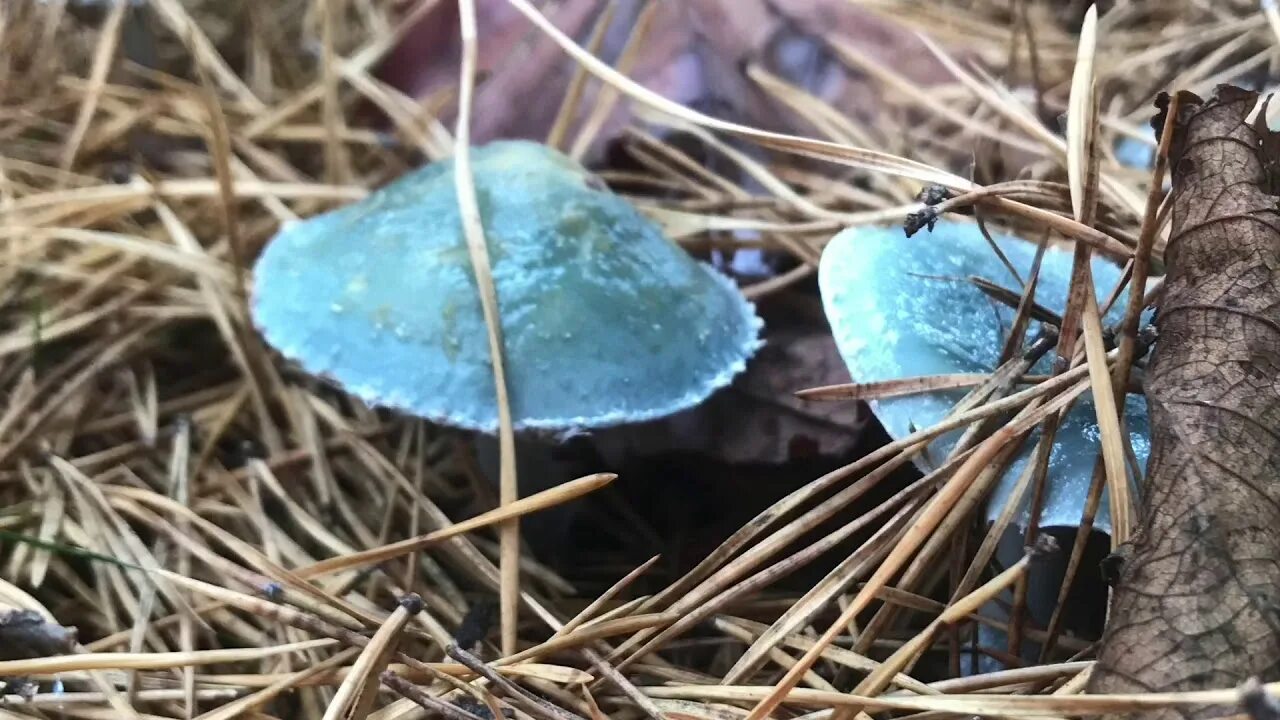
point(903, 307)
point(1135, 153)
point(605, 320)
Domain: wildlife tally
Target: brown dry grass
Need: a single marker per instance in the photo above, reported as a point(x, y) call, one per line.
point(169, 489)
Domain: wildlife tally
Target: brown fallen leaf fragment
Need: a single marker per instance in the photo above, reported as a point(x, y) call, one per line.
point(695, 52)
point(1197, 604)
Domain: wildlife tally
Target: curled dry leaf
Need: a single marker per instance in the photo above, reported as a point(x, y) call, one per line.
point(1195, 605)
point(694, 52)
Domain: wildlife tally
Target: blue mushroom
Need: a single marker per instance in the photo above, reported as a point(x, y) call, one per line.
point(902, 307)
point(605, 320)
point(1135, 153)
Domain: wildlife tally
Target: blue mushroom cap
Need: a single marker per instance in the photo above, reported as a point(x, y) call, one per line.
point(903, 307)
point(1135, 153)
point(605, 320)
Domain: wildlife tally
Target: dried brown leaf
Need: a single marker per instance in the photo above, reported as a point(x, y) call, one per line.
point(1195, 607)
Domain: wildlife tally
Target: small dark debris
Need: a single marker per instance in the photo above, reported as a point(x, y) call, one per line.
point(479, 709)
point(273, 591)
point(1257, 702)
point(1044, 545)
point(412, 603)
point(26, 634)
point(1147, 337)
point(933, 194)
point(23, 687)
point(240, 453)
point(476, 624)
point(1112, 565)
point(926, 218)
point(119, 172)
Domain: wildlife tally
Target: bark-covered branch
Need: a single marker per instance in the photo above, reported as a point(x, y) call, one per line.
point(1198, 600)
